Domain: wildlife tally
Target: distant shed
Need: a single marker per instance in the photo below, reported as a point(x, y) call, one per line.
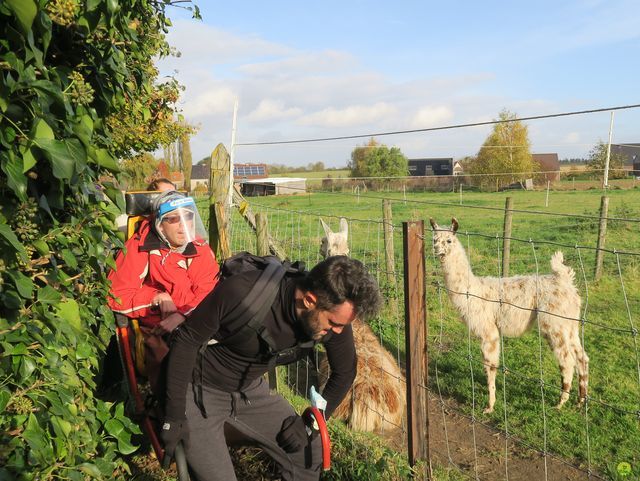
point(431, 166)
point(273, 186)
point(549, 164)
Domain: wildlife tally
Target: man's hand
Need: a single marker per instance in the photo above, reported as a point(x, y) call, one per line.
point(163, 302)
point(295, 433)
point(169, 323)
point(172, 433)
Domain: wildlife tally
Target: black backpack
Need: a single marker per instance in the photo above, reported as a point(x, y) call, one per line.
point(246, 319)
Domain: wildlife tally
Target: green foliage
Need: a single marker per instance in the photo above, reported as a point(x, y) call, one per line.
point(597, 160)
point(185, 153)
point(67, 69)
point(506, 151)
point(139, 170)
point(377, 160)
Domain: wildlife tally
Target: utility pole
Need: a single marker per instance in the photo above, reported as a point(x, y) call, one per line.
point(232, 154)
point(605, 181)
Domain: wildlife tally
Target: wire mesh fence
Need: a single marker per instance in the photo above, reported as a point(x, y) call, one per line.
point(576, 441)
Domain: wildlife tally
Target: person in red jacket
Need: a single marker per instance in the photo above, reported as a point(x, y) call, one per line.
point(164, 271)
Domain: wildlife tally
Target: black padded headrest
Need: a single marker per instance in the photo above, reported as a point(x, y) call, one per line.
point(140, 202)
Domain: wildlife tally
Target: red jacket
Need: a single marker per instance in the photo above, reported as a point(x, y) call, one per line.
point(149, 267)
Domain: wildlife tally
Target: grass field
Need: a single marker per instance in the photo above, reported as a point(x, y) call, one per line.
point(608, 431)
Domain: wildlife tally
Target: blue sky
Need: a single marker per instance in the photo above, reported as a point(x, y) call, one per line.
point(302, 70)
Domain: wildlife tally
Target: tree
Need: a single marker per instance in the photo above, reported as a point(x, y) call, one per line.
point(185, 155)
point(77, 91)
point(139, 170)
point(506, 151)
point(598, 157)
point(377, 160)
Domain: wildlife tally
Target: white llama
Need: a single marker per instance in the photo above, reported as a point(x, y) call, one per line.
point(377, 398)
point(511, 305)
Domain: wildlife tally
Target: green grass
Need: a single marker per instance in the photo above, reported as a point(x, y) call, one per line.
point(612, 422)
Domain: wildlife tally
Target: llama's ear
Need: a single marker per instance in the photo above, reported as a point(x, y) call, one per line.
point(327, 230)
point(454, 225)
point(434, 226)
point(344, 226)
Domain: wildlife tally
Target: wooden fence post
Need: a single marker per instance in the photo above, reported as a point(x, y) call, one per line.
point(506, 236)
point(416, 332)
point(245, 211)
point(262, 249)
point(389, 257)
point(218, 202)
point(602, 234)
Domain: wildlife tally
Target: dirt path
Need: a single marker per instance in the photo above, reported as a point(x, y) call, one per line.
point(523, 464)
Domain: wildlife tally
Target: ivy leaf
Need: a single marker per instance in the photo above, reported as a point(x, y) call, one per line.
point(62, 162)
point(7, 233)
point(70, 312)
point(25, 11)
point(13, 167)
point(48, 295)
point(104, 159)
point(24, 285)
point(90, 469)
point(69, 258)
point(42, 247)
point(4, 399)
point(27, 366)
point(116, 429)
point(77, 152)
point(28, 160)
point(37, 440)
point(41, 130)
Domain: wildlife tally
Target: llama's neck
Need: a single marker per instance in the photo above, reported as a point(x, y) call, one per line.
point(456, 268)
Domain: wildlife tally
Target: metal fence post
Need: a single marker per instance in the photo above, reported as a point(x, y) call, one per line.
point(602, 234)
point(506, 236)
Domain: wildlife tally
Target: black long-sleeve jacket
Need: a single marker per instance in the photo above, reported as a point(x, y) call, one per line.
point(230, 367)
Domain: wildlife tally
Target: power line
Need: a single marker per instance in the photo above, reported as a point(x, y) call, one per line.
point(445, 127)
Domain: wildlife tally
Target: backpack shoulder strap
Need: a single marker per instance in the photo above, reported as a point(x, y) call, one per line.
point(249, 314)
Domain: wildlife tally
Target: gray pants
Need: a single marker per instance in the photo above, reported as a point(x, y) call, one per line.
point(257, 415)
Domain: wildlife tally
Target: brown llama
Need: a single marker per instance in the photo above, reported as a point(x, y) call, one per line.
point(377, 398)
point(551, 299)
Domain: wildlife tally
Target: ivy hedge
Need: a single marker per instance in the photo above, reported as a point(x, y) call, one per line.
point(70, 72)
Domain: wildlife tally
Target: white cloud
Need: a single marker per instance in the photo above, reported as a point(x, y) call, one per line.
point(218, 100)
point(349, 116)
point(306, 62)
point(432, 116)
point(572, 138)
point(269, 109)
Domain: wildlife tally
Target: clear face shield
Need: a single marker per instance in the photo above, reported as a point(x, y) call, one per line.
point(178, 223)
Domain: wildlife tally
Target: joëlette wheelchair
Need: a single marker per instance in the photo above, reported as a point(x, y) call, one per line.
point(131, 347)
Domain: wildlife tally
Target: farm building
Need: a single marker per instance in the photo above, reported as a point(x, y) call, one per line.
point(200, 173)
point(199, 176)
point(632, 154)
point(548, 163)
point(273, 186)
point(250, 171)
point(433, 166)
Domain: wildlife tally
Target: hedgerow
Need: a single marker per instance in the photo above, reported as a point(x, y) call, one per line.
point(71, 71)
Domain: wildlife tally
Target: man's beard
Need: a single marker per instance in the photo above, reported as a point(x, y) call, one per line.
point(310, 324)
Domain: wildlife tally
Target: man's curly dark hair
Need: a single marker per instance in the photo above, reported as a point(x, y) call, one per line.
point(338, 279)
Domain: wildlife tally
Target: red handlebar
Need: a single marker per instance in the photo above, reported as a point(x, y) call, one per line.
point(324, 436)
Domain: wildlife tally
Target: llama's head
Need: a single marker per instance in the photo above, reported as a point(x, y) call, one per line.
point(335, 243)
point(444, 238)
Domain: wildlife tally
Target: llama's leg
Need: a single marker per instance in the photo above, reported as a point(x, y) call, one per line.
point(491, 355)
point(582, 365)
point(562, 344)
